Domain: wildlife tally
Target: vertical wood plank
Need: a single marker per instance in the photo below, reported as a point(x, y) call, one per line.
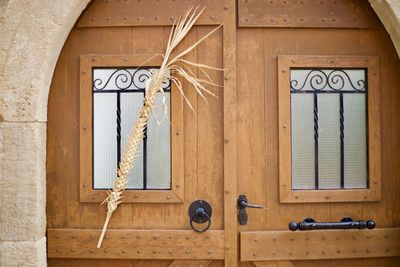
point(375, 42)
point(81, 41)
point(276, 42)
point(251, 124)
point(57, 162)
point(230, 135)
point(210, 127)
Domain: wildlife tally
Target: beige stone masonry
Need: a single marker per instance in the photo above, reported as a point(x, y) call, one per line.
point(32, 34)
point(388, 12)
point(22, 181)
point(21, 254)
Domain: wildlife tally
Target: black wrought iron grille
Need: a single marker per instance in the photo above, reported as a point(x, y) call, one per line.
point(330, 81)
point(118, 82)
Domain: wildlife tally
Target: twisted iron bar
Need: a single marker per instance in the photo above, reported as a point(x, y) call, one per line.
point(335, 80)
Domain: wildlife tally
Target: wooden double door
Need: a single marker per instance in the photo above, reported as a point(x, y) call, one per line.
point(230, 145)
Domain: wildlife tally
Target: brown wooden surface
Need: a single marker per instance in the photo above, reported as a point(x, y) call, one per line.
point(231, 146)
point(306, 14)
point(273, 264)
point(258, 144)
point(190, 263)
point(230, 137)
point(135, 244)
point(332, 244)
point(111, 13)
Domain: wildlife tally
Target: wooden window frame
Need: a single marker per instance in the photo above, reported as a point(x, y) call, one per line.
point(373, 192)
point(87, 193)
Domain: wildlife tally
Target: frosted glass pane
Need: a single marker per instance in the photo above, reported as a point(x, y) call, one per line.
point(131, 104)
point(303, 161)
point(158, 146)
point(104, 140)
point(329, 141)
point(355, 141)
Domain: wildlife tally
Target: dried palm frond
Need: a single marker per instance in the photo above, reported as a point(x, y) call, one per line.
point(171, 68)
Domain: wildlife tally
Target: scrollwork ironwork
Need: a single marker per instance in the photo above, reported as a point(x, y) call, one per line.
point(335, 80)
point(124, 79)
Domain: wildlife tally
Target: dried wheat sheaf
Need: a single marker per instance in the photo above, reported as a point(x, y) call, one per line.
point(175, 68)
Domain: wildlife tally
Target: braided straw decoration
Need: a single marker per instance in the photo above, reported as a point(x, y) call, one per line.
point(130, 154)
point(175, 65)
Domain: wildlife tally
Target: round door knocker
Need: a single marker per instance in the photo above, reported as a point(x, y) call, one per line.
point(200, 212)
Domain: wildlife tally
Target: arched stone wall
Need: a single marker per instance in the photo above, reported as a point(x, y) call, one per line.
point(32, 34)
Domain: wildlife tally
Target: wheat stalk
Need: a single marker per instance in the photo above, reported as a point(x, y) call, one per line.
point(177, 67)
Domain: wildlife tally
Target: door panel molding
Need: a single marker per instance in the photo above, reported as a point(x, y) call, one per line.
point(332, 244)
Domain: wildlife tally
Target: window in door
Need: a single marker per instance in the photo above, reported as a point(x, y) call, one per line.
point(111, 96)
point(329, 115)
point(117, 99)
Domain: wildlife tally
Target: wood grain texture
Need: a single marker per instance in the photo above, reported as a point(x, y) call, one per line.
point(190, 263)
point(111, 13)
point(273, 264)
point(230, 135)
point(307, 14)
point(332, 244)
point(135, 244)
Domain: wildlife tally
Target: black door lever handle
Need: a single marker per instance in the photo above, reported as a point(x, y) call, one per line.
point(242, 205)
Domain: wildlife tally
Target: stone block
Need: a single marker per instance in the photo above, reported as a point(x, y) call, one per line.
point(22, 181)
point(23, 253)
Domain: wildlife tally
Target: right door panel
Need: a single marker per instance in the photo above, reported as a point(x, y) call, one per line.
point(258, 160)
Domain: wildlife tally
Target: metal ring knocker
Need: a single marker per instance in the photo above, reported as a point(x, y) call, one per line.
point(200, 212)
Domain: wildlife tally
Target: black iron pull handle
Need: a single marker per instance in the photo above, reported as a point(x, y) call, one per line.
point(345, 223)
point(200, 212)
point(242, 205)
